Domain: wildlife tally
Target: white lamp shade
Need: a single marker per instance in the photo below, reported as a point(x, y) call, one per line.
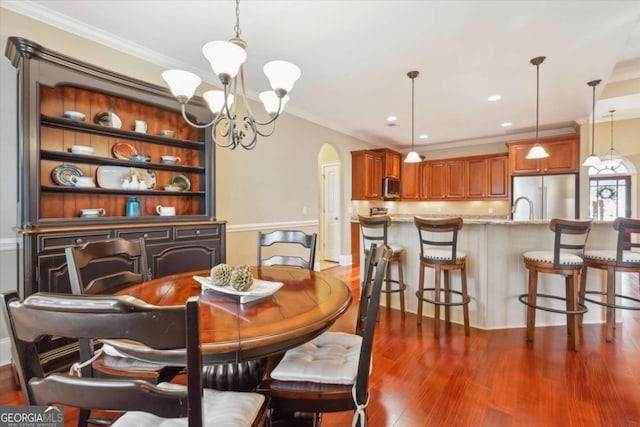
point(224, 57)
point(281, 74)
point(181, 83)
point(215, 99)
point(537, 152)
point(270, 101)
point(592, 160)
point(412, 157)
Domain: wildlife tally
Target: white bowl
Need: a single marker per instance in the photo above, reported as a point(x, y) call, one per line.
point(82, 149)
point(74, 115)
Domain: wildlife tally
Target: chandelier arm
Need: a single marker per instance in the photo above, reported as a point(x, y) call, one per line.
point(250, 125)
point(231, 143)
point(213, 123)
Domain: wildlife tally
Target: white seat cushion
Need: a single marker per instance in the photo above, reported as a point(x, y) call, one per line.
point(331, 358)
point(608, 255)
point(443, 254)
point(221, 409)
point(547, 256)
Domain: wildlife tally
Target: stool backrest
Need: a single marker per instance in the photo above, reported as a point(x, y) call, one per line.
point(570, 235)
point(626, 226)
point(449, 228)
point(374, 230)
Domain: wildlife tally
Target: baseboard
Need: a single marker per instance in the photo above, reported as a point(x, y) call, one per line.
point(346, 260)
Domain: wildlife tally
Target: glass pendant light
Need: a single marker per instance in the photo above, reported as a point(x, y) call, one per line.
point(537, 151)
point(592, 160)
point(413, 156)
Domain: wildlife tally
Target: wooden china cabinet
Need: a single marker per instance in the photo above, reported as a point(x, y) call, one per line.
point(51, 87)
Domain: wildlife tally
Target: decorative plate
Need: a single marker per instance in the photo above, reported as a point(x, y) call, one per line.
point(108, 119)
point(111, 176)
point(123, 151)
point(181, 181)
point(62, 174)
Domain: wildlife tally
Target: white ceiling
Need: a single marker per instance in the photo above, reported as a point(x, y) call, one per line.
point(354, 57)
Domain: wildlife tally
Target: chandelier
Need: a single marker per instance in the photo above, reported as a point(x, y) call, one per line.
point(537, 151)
point(611, 161)
point(592, 160)
point(228, 130)
point(413, 156)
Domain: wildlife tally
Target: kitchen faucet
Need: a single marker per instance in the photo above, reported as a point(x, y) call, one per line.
point(515, 206)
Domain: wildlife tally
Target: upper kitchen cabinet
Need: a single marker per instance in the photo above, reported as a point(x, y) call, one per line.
point(444, 179)
point(366, 175)
point(391, 161)
point(563, 156)
point(410, 183)
point(497, 177)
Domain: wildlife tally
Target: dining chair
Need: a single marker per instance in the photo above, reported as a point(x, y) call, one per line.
point(122, 317)
point(623, 258)
point(283, 238)
point(565, 259)
point(331, 372)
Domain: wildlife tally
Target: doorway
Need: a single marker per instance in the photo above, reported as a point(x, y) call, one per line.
point(329, 168)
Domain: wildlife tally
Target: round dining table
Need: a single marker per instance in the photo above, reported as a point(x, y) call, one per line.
point(306, 305)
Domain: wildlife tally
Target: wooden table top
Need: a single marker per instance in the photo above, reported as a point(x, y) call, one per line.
point(307, 305)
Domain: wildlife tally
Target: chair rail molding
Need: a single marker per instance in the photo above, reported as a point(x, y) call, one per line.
point(238, 228)
point(9, 244)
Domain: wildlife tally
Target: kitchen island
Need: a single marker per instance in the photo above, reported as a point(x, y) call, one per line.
point(495, 270)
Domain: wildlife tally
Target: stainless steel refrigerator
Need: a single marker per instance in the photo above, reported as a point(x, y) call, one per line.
point(544, 197)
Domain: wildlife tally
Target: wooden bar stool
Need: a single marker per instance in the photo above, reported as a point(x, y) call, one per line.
point(565, 259)
point(374, 229)
point(440, 252)
point(620, 259)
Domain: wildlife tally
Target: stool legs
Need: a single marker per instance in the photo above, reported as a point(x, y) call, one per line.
point(572, 319)
point(397, 261)
point(611, 300)
point(436, 307)
point(465, 308)
point(531, 298)
point(402, 285)
point(420, 293)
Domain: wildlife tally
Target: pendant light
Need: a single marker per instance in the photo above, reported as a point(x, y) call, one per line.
point(611, 160)
point(537, 151)
point(412, 157)
point(592, 160)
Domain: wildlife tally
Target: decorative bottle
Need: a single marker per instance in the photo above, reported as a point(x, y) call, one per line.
point(133, 207)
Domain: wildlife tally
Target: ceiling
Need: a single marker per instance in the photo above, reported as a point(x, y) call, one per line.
point(355, 55)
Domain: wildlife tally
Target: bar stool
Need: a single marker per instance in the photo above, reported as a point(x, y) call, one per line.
point(434, 255)
point(374, 229)
point(569, 241)
point(620, 259)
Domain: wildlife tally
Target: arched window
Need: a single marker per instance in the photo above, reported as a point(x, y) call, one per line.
point(610, 188)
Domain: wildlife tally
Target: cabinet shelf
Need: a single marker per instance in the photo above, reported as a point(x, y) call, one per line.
point(97, 160)
point(74, 125)
point(118, 191)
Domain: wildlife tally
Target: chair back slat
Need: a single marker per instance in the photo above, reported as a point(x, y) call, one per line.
point(104, 317)
point(107, 266)
point(374, 230)
point(570, 235)
point(628, 228)
point(307, 241)
point(444, 233)
point(374, 254)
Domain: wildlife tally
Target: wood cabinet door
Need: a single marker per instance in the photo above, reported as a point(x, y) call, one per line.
point(172, 258)
point(518, 162)
point(497, 178)
point(436, 180)
point(476, 178)
point(410, 182)
point(373, 176)
point(563, 156)
point(456, 179)
point(392, 162)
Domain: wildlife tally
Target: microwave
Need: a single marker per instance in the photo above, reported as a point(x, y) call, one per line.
point(390, 188)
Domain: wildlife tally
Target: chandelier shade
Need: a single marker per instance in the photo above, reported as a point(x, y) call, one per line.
point(182, 84)
point(227, 58)
point(537, 151)
point(592, 160)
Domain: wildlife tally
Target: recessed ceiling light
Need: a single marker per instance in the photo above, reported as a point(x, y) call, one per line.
point(423, 136)
point(506, 124)
point(392, 118)
point(494, 98)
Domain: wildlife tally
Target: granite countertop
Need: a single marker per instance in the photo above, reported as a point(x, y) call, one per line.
point(474, 219)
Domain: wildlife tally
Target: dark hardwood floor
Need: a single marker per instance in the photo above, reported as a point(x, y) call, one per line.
point(491, 378)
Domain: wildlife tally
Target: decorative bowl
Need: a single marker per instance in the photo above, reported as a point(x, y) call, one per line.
point(167, 133)
point(74, 115)
point(172, 188)
point(82, 149)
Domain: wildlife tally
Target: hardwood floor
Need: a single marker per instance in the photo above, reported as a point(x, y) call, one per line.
point(491, 378)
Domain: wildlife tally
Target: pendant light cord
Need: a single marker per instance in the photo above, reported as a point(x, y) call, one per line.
point(593, 121)
point(537, 98)
point(413, 104)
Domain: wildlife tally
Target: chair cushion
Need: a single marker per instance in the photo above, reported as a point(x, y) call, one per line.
point(609, 255)
point(443, 254)
point(221, 409)
point(566, 258)
point(331, 358)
